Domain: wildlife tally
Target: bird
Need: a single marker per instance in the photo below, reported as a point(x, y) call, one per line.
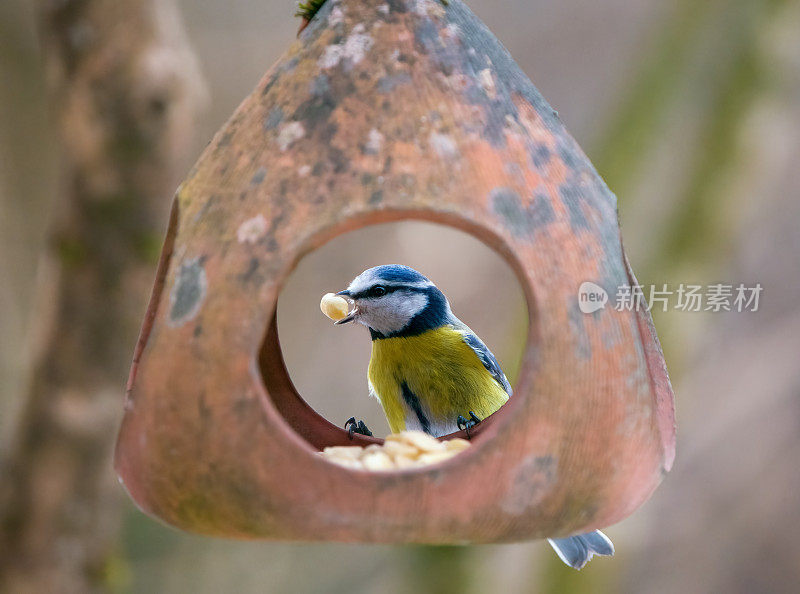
point(430, 372)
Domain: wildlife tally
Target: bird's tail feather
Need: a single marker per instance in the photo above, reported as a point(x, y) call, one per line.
point(576, 551)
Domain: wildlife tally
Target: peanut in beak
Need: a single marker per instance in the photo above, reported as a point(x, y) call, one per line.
point(337, 308)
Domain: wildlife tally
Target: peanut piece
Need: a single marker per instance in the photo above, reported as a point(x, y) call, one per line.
point(348, 452)
point(377, 461)
point(421, 441)
point(334, 306)
point(456, 445)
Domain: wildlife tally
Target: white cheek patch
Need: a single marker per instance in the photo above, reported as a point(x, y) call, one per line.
point(391, 313)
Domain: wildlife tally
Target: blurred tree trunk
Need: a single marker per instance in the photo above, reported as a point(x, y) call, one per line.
point(125, 91)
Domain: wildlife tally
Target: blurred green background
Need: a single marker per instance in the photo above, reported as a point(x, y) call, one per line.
point(689, 110)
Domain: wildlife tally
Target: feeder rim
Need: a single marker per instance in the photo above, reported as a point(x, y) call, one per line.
point(277, 384)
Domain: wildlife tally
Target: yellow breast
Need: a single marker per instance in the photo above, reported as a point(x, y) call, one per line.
point(441, 371)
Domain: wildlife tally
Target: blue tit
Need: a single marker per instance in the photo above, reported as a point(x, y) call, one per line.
point(427, 367)
point(430, 372)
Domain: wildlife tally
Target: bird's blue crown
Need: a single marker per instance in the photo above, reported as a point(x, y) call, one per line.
point(397, 273)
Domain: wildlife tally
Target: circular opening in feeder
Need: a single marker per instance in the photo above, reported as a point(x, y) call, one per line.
point(305, 353)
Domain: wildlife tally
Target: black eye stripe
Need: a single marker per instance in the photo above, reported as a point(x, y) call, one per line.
point(388, 288)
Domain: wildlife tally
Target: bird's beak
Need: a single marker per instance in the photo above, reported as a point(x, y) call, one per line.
point(353, 312)
point(348, 318)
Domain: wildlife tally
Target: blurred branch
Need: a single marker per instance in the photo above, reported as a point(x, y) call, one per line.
point(624, 145)
point(698, 231)
point(722, 94)
point(126, 90)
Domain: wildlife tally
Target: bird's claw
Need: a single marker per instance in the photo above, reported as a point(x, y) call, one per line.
point(467, 424)
point(352, 426)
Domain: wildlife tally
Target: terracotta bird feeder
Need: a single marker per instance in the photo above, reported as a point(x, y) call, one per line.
point(385, 110)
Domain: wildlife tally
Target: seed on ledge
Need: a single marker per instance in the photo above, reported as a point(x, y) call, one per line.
point(407, 449)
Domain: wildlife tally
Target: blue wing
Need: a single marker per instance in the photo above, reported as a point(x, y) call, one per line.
point(485, 355)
